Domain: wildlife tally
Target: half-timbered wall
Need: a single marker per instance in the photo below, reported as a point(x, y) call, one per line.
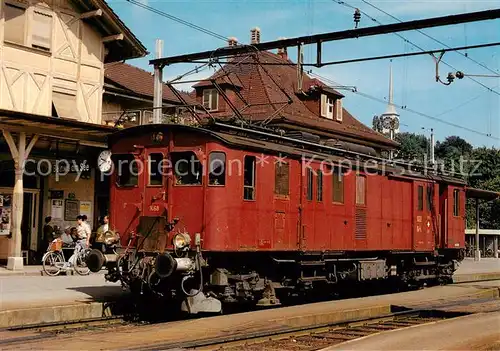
point(51, 61)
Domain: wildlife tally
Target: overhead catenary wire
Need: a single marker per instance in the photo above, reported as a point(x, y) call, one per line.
point(432, 38)
point(178, 20)
point(343, 3)
point(405, 108)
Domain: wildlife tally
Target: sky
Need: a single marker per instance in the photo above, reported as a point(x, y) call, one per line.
point(464, 102)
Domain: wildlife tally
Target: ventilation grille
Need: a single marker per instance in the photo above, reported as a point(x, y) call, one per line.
point(360, 233)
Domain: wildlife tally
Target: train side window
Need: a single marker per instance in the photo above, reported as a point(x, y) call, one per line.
point(430, 195)
point(127, 170)
point(319, 194)
point(309, 184)
point(281, 178)
point(456, 202)
point(187, 168)
point(249, 178)
point(420, 195)
point(360, 190)
point(217, 168)
point(155, 164)
point(338, 186)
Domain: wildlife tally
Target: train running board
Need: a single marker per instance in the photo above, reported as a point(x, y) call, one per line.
point(200, 303)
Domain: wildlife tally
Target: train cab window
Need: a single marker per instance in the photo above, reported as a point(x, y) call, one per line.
point(217, 168)
point(309, 184)
point(249, 178)
point(155, 164)
point(281, 178)
point(430, 195)
point(319, 194)
point(456, 202)
point(360, 190)
point(338, 186)
point(187, 168)
point(420, 195)
point(126, 169)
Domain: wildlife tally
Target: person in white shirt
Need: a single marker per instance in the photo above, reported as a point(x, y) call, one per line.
point(83, 231)
point(66, 236)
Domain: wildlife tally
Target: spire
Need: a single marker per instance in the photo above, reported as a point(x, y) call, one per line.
point(391, 110)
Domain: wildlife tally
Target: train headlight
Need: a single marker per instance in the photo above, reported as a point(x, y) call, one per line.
point(182, 241)
point(110, 237)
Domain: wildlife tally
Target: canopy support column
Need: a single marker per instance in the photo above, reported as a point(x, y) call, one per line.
point(19, 154)
point(477, 252)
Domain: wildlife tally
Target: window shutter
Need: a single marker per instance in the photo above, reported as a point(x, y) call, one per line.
point(214, 99)
point(65, 104)
point(15, 19)
point(323, 105)
point(339, 113)
point(42, 30)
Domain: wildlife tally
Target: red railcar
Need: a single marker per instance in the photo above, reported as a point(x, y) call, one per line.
point(230, 214)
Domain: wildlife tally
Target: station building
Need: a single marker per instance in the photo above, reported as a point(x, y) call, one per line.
point(52, 57)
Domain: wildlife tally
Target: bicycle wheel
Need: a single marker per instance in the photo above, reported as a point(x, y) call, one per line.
point(52, 263)
point(81, 264)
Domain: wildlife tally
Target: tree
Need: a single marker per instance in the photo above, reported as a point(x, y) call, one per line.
point(412, 146)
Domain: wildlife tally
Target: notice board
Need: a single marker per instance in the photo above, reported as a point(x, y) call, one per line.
point(71, 209)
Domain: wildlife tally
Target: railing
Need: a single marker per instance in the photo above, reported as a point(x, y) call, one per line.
point(135, 117)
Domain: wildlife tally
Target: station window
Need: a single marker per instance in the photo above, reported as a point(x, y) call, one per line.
point(430, 195)
point(319, 194)
point(126, 169)
point(187, 168)
point(338, 186)
point(456, 202)
point(309, 184)
point(281, 178)
point(155, 164)
point(217, 168)
point(420, 195)
point(249, 178)
point(360, 190)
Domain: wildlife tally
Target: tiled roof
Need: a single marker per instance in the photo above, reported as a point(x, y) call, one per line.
point(138, 81)
point(269, 88)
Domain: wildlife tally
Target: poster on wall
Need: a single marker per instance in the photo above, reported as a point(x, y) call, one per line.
point(86, 209)
point(5, 213)
point(57, 211)
point(71, 209)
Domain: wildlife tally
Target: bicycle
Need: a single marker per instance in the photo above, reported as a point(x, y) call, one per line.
point(53, 261)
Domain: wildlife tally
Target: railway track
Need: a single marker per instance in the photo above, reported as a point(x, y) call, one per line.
point(40, 331)
point(311, 338)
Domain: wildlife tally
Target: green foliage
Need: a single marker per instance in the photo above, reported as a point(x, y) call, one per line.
point(479, 166)
point(412, 146)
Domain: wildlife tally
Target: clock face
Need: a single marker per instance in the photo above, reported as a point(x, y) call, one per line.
point(104, 161)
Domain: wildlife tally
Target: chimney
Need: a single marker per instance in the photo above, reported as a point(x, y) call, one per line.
point(255, 35)
point(282, 52)
point(232, 41)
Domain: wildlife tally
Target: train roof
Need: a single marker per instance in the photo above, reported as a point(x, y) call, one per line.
point(267, 141)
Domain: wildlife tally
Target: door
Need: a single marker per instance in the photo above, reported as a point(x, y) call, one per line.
point(154, 183)
point(423, 228)
point(306, 230)
point(29, 223)
point(456, 218)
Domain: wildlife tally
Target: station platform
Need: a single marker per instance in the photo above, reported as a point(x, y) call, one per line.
point(33, 298)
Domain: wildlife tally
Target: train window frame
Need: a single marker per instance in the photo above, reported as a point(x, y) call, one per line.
point(282, 179)
point(249, 190)
point(160, 170)
point(309, 184)
point(456, 203)
point(338, 183)
point(175, 169)
point(430, 197)
point(420, 198)
point(319, 186)
point(360, 201)
point(117, 170)
point(212, 176)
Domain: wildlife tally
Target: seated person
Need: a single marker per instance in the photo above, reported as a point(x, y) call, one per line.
point(101, 231)
point(68, 237)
